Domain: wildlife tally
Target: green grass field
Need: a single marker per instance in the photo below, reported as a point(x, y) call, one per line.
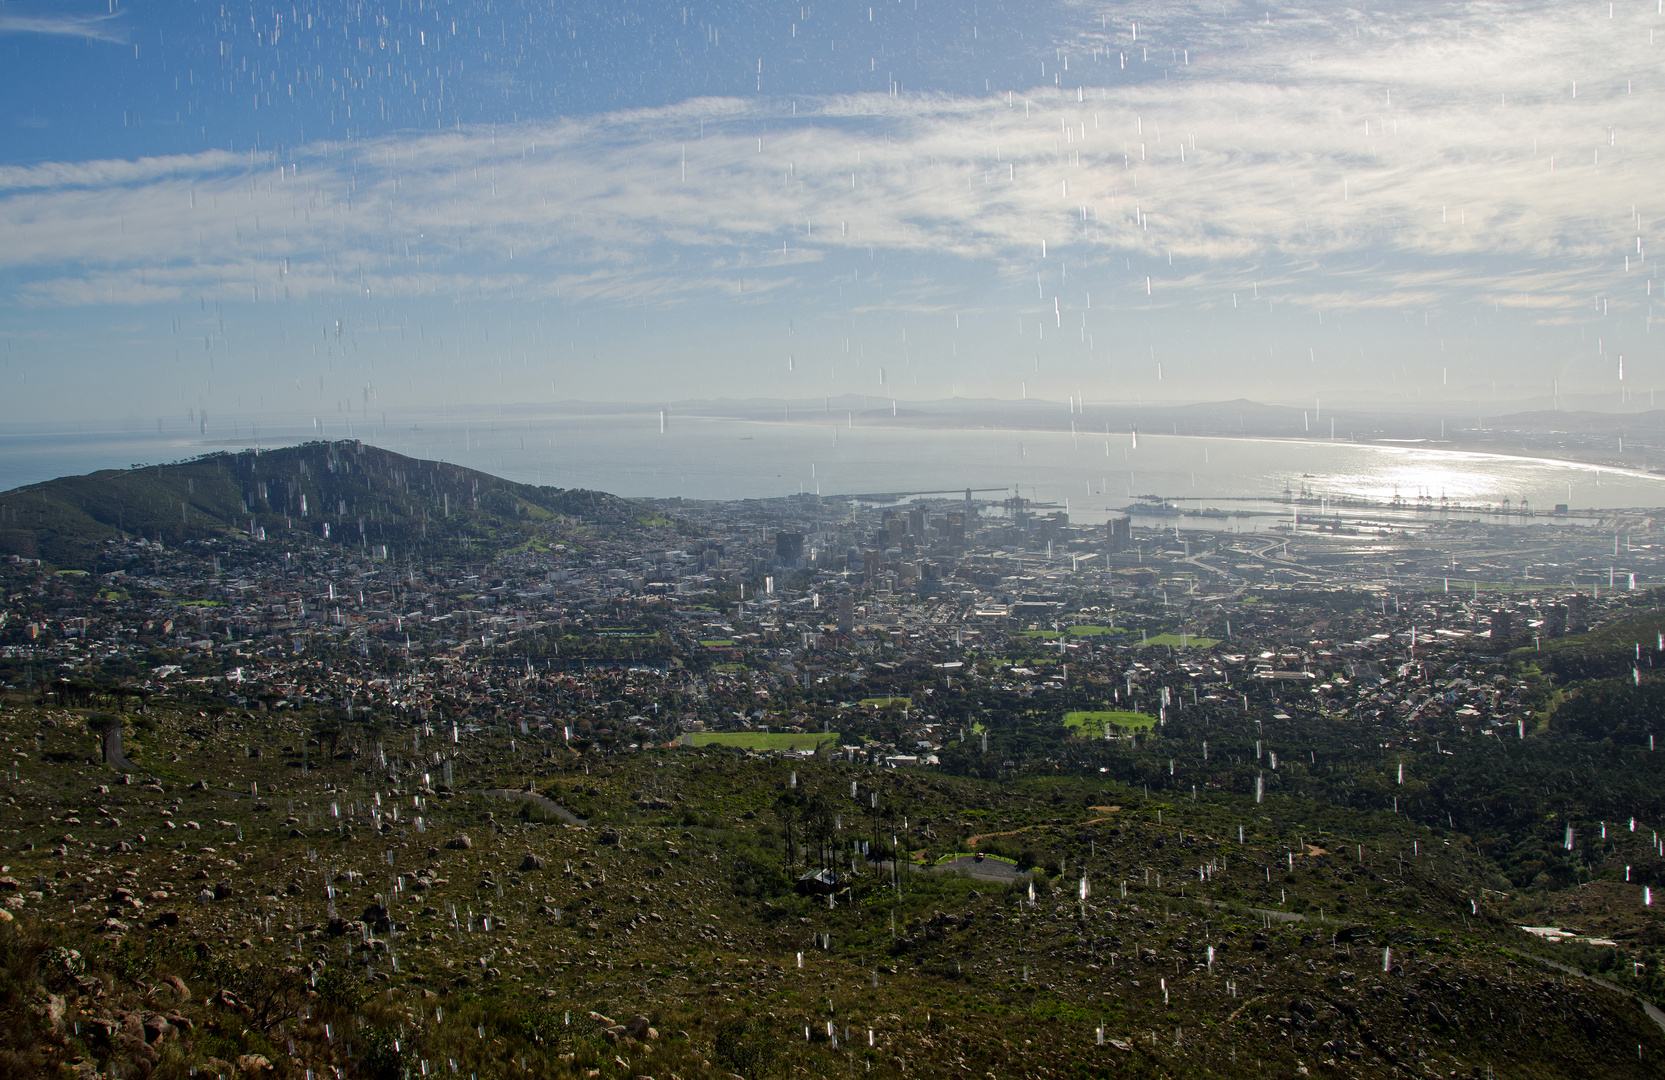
point(718, 643)
point(881, 702)
point(1092, 724)
point(1189, 642)
point(1072, 631)
point(763, 740)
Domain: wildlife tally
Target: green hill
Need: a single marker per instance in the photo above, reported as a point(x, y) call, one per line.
point(342, 493)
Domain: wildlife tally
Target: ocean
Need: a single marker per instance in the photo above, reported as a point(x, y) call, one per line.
point(639, 452)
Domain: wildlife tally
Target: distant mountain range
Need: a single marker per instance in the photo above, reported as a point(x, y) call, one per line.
point(1625, 439)
point(1457, 423)
point(344, 494)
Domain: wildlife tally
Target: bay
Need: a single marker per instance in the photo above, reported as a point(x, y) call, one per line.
point(639, 452)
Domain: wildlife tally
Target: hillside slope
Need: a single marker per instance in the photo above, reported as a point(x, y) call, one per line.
point(343, 493)
point(353, 921)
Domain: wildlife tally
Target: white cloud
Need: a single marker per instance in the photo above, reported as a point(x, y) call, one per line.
point(115, 173)
point(1419, 154)
point(91, 27)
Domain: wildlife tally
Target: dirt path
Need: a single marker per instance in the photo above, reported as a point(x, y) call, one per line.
point(973, 841)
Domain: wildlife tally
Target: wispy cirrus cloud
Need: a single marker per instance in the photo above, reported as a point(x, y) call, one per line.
point(109, 173)
point(89, 27)
point(1217, 178)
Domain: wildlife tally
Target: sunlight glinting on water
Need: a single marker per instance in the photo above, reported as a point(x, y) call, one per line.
point(1093, 476)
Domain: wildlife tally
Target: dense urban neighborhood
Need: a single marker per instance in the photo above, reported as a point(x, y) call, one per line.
point(759, 787)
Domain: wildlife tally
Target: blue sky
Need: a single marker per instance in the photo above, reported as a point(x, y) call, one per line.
point(269, 210)
point(142, 79)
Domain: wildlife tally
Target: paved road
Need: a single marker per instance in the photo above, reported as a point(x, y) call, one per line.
point(986, 870)
point(1269, 914)
point(113, 756)
point(1648, 1007)
point(553, 807)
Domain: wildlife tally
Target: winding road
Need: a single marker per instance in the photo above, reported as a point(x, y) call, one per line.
point(533, 797)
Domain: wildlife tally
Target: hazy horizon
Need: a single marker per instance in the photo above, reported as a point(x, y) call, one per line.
point(1091, 459)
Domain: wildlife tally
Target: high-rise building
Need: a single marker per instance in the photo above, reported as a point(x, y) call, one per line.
point(846, 613)
point(789, 547)
point(1049, 527)
point(1119, 533)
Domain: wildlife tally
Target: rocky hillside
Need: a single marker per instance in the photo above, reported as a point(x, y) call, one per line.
point(267, 896)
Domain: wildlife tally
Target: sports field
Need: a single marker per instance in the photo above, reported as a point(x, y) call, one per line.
point(1093, 724)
